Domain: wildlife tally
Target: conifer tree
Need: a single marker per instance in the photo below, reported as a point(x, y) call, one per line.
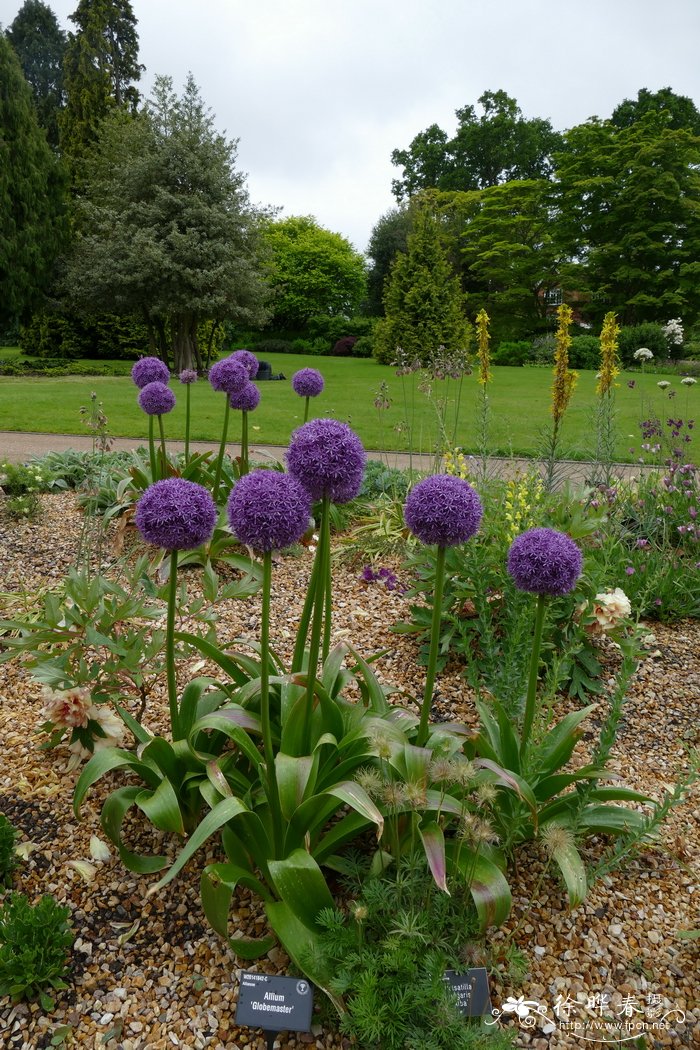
point(423, 302)
point(31, 195)
point(40, 45)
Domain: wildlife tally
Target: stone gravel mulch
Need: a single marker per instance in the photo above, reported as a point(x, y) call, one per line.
point(150, 974)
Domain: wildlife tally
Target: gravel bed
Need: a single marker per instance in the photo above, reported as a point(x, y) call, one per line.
point(150, 974)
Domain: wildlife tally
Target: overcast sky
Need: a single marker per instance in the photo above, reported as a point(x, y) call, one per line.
point(319, 92)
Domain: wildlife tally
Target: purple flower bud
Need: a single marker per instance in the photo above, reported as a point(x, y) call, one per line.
point(630, 570)
point(443, 509)
point(246, 399)
point(544, 561)
point(268, 510)
point(176, 514)
point(228, 375)
point(307, 382)
point(327, 457)
point(150, 370)
point(188, 375)
point(156, 399)
point(248, 359)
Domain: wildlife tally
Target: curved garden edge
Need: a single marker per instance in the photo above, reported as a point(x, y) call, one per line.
point(155, 976)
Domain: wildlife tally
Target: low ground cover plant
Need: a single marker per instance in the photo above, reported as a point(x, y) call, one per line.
point(35, 942)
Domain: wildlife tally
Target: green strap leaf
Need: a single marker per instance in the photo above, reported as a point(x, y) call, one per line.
point(434, 845)
point(300, 883)
point(162, 807)
point(113, 813)
point(226, 810)
point(103, 762)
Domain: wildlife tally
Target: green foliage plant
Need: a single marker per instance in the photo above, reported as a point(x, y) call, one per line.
point(35, 941)
point(562, 389)
point(384, 957)
point(8, 837)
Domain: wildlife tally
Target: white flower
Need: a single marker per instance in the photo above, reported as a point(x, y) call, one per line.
point(67, 708)
point(663, 383)
point(610, 608)
point(643, 354)
point(688, 381)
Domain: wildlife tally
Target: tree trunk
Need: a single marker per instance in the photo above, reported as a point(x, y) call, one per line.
point(183, 330)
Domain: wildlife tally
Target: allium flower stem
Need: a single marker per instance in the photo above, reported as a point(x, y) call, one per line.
point(222, 450)
point(531, 699)
point(163, 473)
point(305, 619)
point(306, 409)
point(434, 646)
point(321, 574)
point(244, 443)
point(268, 749)
point(152, 451)
point(170, 649)
point(187, 423)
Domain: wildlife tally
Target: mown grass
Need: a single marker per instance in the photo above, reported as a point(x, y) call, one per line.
point(519, 407)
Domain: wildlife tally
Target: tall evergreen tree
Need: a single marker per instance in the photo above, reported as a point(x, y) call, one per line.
point(101, 70)
point(40, 44)
point(165, 227)
point(31, 195)
point(423, 302)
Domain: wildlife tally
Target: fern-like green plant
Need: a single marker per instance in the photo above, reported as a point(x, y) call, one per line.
point(35, 941)
point(8, 836)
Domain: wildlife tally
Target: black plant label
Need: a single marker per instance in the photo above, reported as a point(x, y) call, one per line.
point(275, 1004)
point(471, 988)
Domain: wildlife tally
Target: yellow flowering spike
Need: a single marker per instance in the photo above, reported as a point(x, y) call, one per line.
point(609, 363)
point(483, 339)
point(564, 378)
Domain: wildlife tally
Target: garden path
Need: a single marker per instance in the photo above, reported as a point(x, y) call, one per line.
point(18, 446)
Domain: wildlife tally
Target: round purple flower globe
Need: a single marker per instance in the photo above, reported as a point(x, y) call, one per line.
point(268, 510)
point(248, 359)
point(176, 514)
point(307, 382)
point(156, 399)
point(150, 370)
point(228, 375)
point(187, 376)
point(246, 399)
point(327, 457)
point(544, 561)
point(443, 509)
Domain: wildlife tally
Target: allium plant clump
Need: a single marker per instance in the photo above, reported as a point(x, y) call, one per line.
point(228, 375)
point(328, 458)
point(443, 509)
point(246, 399)
point(150, 370)
point(307, 382)
point(249, 361)
point(544, 561)
point(176, 514)
point(156, 399)
point(268, 510)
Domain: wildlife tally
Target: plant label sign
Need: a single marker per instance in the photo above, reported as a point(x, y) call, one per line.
point(275, 1004)
point(471, 989)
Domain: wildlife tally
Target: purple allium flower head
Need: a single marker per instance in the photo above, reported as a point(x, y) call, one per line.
point(307, 382)
point(228, 375)
point(150, 370)
point(156, 399)
point(246, 399)
point(176, 514)
point(249, 360)
point(268, 510)
point(327, 457)
point(188, 375)
point(443, 509)
point(544, 561)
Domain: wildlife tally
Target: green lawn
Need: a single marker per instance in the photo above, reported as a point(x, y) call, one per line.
point(519, 398)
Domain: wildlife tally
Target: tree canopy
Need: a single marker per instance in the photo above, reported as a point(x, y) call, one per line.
point(101, 71)
point(166, 229)
point(32, 223)
point(496, 146)
point(312, 272)
point(423, 302)
point(40, 45)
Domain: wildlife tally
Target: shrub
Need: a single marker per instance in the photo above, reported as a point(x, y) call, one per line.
point(344, 347)
point(34, 944)
point(584, 352)
point(632, 337)
point(514, 354)
point(273, 346)
point(363, 347)
point(7, 850)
